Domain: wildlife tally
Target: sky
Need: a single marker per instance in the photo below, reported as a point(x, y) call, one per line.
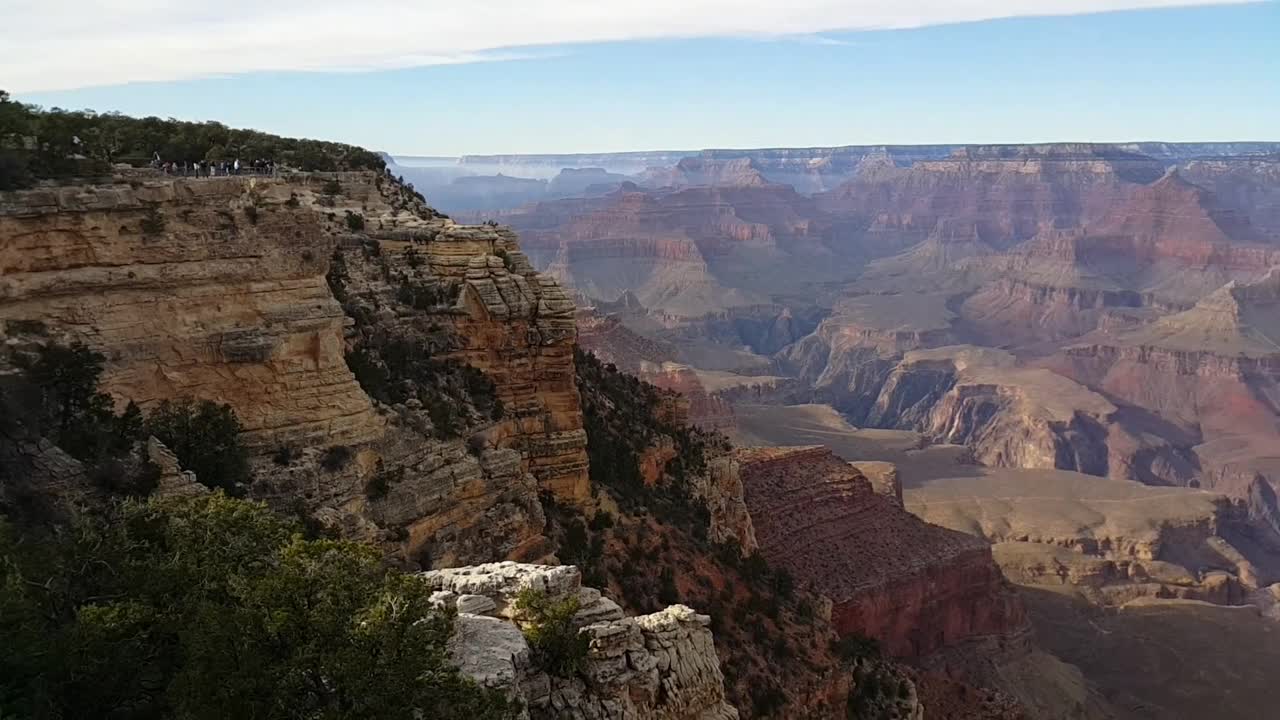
point(450, 77)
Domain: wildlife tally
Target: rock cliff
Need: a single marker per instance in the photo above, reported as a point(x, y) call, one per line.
point(915, 587)
point(661, 666)
point(226, 289)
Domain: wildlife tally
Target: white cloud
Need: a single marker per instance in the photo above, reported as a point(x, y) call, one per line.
point(64, 44)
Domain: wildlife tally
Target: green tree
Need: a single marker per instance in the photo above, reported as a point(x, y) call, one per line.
point(70, 410)
point(558, 648)
point(206, 438)
point(213, 607)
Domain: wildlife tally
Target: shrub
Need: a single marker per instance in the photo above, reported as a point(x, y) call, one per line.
point(69, 410)
point(336, 458)
point(557, 646)
point(134, 614)
point(26, 327)
point(668, 593)
point(114, 478)
point(153, 222)
point(283, 456)
point(355, 221)
point(377, 487)
point(857, 647)
point(206, 438)
point(507, 262)
point(783, 583)
point(331, 187)
point(412, 258)
point(251, 212)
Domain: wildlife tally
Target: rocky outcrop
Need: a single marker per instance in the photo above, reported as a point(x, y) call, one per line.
point(661, 666)
point(189, 296)
point(1212, 370)
point(915, 587)
point(883, 477)
point(1250, 186)
point(217, 289)
point(695, 171)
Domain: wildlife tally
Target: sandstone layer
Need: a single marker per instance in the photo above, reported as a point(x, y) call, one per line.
point(216, 289)
point(915, 587)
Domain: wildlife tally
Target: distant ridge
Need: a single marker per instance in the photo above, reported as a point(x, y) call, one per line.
point(1155, 149)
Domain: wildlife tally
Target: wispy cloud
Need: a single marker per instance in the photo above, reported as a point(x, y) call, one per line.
point(65, 44)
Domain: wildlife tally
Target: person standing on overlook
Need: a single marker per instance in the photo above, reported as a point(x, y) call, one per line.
point(236, 166)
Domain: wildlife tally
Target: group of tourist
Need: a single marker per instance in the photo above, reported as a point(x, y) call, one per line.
point(208, 168)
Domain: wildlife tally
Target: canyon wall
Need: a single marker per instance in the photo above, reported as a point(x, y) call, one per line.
point(916, 588)
point(217, 289)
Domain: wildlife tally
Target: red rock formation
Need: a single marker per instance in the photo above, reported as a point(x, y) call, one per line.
point(694, 171)
point(915, 587)
point(1008, 194)
point(1249, 185)
point(1213, 370)
point(706, 410)
point(669, 246)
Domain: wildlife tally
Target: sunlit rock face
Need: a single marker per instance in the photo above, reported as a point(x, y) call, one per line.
point(915, 587)
point(221, 289)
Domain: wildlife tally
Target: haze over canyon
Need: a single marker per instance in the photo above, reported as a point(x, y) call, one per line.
point(1069, 351)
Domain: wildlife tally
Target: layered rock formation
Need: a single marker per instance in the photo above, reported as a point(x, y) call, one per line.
point(915, 587)
point(661, 666)
point(683, 253)
point(1212, 370)
point(1111, 540)
point(188, 296)
point(1006, 193)
point(216, 289)
point(1167, 245)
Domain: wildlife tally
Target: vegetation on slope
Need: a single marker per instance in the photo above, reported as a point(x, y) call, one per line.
point(56, 396)
point(203, 607)
point(777, 654)
point(37, 144)
point(211, 608)
point(399, 362)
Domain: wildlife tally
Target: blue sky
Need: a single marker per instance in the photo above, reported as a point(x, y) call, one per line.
point(1200, 73)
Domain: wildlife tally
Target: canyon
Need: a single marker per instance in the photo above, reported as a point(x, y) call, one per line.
point(308, 303)
point(791, 430)
point(1067, 351)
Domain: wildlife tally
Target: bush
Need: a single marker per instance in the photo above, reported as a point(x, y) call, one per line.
point(283, 456)
point(206, 438)
point(377, 487)
point(153, 222)
point(331, 187)
point(668, 593)
point(355, 221)
point(412, 258)
point(558, 648)
point(26, 327)
point(336, 458)
point(251, 212)
point(507, 262)
point(211, 607)
point(111, 137)
point(69, 410)
point(857, 647)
